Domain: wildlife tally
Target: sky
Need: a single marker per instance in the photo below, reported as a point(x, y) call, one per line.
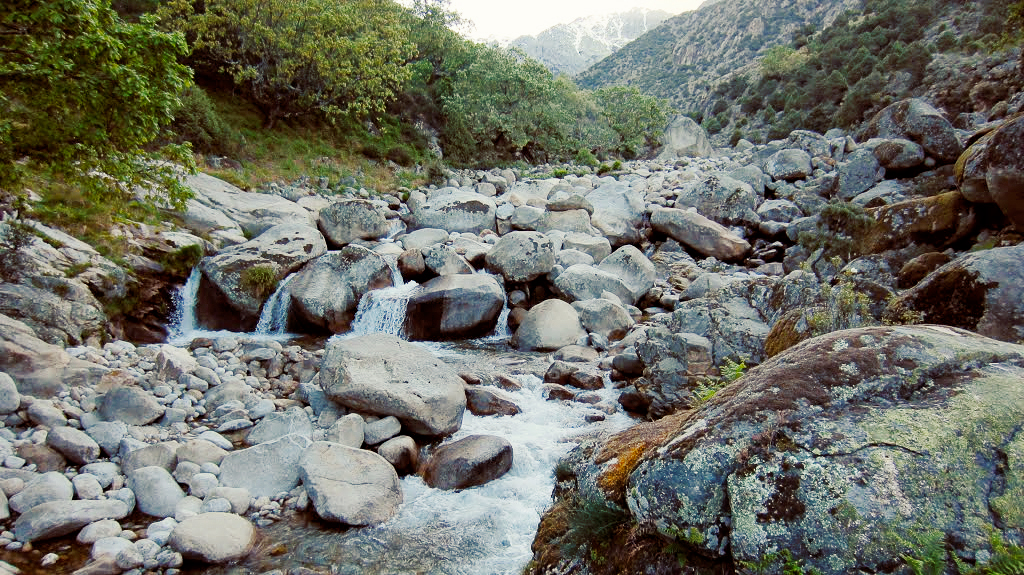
point(504, 19)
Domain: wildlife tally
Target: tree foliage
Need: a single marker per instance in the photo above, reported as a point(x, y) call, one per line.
point(301, 57)
point(637, 119)
point(84, 93)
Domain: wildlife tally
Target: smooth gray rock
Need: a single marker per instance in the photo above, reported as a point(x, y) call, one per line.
point(10, 399)
point(698, 232)
point(50, 486)
point(385, 375)
point(162, 455)
point(130, 405)
point(265, 469)
point(468, 462)
point(443, 260)
point(596, 246)
point(348, 430)
point(347, 220)
point(401, 452)
point(278, 424)
point(521, 256)
point(38, 368)
point(326, 292)
point(684, 138)
point(156, 491)
point(549, 325)
point(200, 451)
point(213, 537)
point(604, 317)
point(858, 174)
point(381, 430)
point(350, 486)
point(73, 444)
point(634, 269)
point(789, 165)
point(721, 199)
point(452, 210)
point(421, 238)
point(618, 213)
point(581, 282)
point(57, 518)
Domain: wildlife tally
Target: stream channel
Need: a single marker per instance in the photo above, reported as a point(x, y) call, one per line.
point(482, 530)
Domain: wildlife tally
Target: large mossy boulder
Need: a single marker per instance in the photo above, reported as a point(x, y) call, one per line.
point(915, 120)
point(843, 445)
point(980, 291)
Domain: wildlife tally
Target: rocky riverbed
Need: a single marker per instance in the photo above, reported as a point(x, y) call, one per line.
point(625, 304)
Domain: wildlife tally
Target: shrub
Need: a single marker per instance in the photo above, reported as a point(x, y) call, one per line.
point(593, 521)
point(196, 120)
point(843, 307)
point(16, 236)
point(259, 281)
point(182, 260)
point(585, 157)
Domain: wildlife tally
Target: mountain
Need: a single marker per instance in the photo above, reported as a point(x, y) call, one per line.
point(687, 55)
point(571, 48)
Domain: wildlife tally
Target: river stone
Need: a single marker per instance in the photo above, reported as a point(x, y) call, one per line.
point(917, 121)
point(326, 292)
point(454, 307)
point(981, 291)
point(58, 518)
point(97, 530)
point(344, 221)
point(583, 282)
point(833, 450)
point(619, 213)
point(162, 455)
point(130, 405)
point(238, 497)
point(444, 260)
point(596, 246)
point(50, 486)
point(634, 269)
point(521, 256)
point(684, 138)
point(549, 325)
point(10, 399)
point(350, 486)
point(73, 444)
point(348, 430)
point(721, 199)
point(470, 461)
point(485, 401)
point(173, 362)
point(283, 249)
point(265, 469)
point(401, 452)
point(788, 165)
point(569, 258)
point(385, 375)
point(156, 491)
point(213, 537)
point(698, 232)
point(108, 434)
point(452, 210)
point(381, 430)
point(419, 239)
point(604, 317)
point(200, 451)
point(38, 368)
point(280, 423)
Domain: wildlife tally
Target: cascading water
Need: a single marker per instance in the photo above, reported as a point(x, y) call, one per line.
point(183, 322)
point(274, 317)
point(383, 311)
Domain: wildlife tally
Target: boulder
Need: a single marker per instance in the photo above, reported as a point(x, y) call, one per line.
point(38, 368)
point(488, 401)
point(59, 518)
point(596, 246)
point(918, 268)
point(858, 174)
point(60, 320)
point(401, 452)
point(50, 486)
point(549, 325)
point(619, 212)
point(604, 317)
point(326, 292)
point(684, 138)
point(452, 210)
point(254, 212)
point(833, 450)
point(281, 249)
point(938, 221)
point(674, 365)
point(992, 170)
point(344, 221)
point(156, 491)
point(385, 375)
point(279, 424)
point(521, 256)
point(896, 153)
point(454, 307)
point(583, 282)
point(915, 120)
point(470, 461)
point(721, 199)
point(265, 469)
point(213, 537)
point(73, 444)
point(348, 485)
point(699, 233)
point(634, 269)
point(779, 211)
point(422, 238)
point(444, 260)
point(130, 405)
point(789, 165)
point(980, 291)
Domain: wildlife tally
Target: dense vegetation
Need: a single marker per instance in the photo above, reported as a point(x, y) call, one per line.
point(862, 62)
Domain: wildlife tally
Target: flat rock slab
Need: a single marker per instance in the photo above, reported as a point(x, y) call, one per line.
point(348, 485)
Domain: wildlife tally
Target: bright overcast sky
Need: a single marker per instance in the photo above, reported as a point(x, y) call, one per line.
point(506, 19)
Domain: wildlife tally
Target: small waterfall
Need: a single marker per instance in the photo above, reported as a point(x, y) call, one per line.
point(184, 322)
point(274, 317)
point(396, 276)
point(501, 330)
point(397, 227)
point(383, 310)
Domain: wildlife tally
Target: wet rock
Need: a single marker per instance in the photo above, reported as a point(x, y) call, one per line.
point(483, 401)
point(549, 325)
point(471, 461)
point(326, 292)
point(350, 486)
point(384, 375)
point(454, 307)
point(213, 537)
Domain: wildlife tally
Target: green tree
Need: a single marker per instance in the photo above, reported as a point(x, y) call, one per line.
point(638, 119)
point(83, 94)
point(300, 57)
